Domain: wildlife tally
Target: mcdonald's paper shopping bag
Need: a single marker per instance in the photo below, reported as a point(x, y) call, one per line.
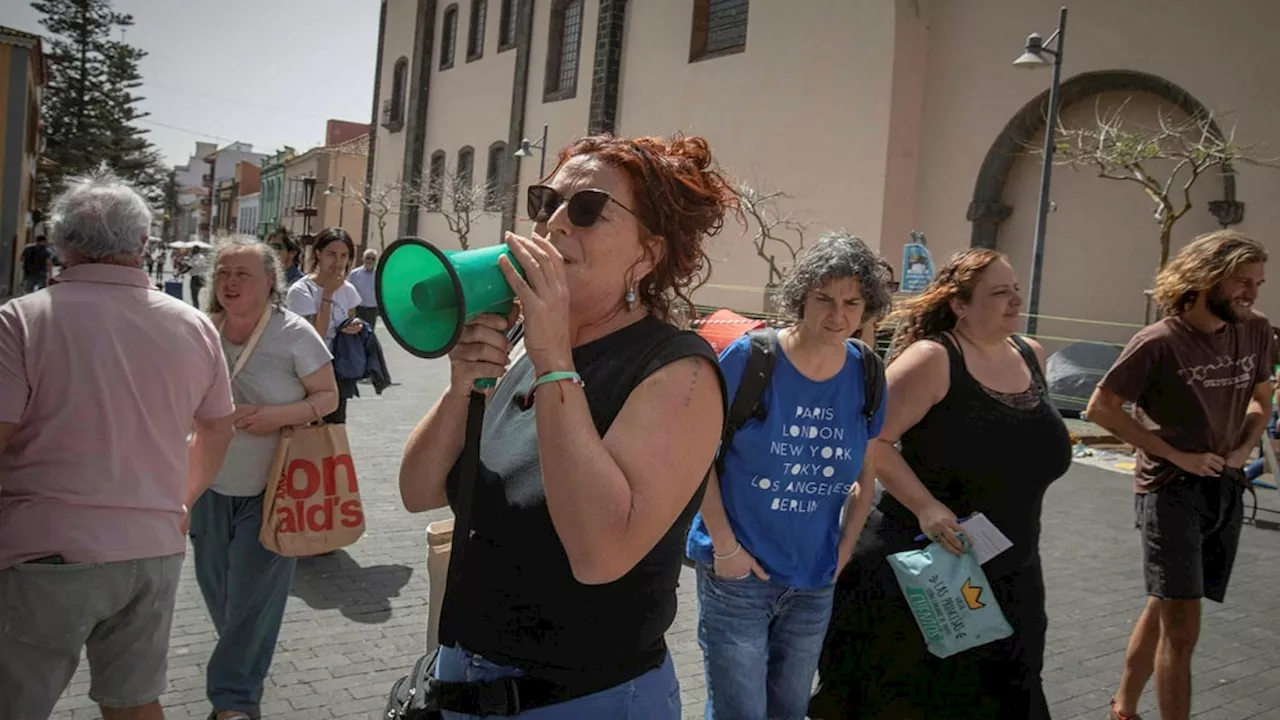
point(950, 598)
point(313, 506)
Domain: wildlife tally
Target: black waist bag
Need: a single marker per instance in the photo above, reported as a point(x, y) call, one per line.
point(410, 699)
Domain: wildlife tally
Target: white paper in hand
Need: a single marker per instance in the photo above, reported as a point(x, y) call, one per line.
point(987, 539)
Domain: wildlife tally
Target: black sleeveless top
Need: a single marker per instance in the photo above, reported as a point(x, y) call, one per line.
point(517, 601)
point(976, 453)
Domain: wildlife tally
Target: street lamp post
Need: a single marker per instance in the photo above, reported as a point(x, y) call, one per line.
point(1033, 56)
point(527, 148)
point(342, 199)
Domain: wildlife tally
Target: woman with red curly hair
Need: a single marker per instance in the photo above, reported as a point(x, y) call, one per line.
point(595, 448)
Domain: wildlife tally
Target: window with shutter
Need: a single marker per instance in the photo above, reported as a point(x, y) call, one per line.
point(563, 50)
point(508, 20)
point(719, 28)
point(475, 31)
point(448, 36)
point(435, 181)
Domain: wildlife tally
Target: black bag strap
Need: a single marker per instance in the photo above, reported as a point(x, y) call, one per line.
point(747, 405)
point(872, 380)
point(1029, 356)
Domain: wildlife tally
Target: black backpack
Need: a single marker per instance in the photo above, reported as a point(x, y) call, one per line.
point(759, 371)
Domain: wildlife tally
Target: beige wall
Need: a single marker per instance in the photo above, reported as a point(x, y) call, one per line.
point(389, 148)
point(1100, 250)
point(814, 126)
point(331, 207)
point(876, 115)
point(483, 88)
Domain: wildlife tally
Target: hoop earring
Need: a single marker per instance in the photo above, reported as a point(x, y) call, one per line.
point(631, 299)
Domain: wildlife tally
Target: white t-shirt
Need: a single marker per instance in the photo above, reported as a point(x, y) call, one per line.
point(304, 299)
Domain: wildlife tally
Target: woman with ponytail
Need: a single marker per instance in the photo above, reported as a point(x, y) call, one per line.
point(969, 428)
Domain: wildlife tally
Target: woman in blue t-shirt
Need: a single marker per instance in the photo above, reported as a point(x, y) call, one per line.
point(771, 536)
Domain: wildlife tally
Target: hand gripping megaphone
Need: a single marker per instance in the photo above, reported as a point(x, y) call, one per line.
point(427, 294)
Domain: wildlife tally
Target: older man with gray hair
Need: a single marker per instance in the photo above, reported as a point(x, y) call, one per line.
point(97, 401)
point(363, 278)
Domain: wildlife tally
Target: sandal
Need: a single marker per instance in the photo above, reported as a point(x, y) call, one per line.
point(1115, 714)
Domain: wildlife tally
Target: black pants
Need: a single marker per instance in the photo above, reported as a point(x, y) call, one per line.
point(339, 416)
point(875, 665)
point(369, 315)
point(197, 283)
point(1190, 534)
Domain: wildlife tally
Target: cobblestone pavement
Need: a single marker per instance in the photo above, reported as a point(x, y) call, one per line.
point(356, 619)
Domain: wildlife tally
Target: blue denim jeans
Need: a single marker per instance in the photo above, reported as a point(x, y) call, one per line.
point(654, 695)
point(245, 587)
point(760, 645)
point(1254, 470)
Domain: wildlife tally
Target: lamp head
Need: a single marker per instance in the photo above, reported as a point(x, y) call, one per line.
point(1033, 54)
point(525, 150)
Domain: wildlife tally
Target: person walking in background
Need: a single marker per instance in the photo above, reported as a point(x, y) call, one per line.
point(284, 378)
point(289, 252)
point(96, 472)
point(1201, 379)
point(968, 401)
point(325, 298)
point(37, 265)
point(363, 279)
point(771, 536)
point(199, 264)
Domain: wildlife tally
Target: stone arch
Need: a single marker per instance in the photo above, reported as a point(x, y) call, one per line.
point(988, 210)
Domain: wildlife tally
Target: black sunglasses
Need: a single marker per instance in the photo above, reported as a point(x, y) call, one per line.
point(585, 206)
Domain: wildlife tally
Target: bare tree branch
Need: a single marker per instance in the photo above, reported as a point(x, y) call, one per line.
point(380, 200)
point(1121, 149)
point(460, 201)
point(761, 208)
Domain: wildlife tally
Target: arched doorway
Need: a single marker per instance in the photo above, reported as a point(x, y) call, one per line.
point(988, 210)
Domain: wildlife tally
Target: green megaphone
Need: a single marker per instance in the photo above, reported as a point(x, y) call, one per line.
point(427, 295)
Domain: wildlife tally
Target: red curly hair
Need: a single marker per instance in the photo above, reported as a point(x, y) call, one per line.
point(680, 200)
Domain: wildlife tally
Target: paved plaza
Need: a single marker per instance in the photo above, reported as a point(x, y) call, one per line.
point(356, 619)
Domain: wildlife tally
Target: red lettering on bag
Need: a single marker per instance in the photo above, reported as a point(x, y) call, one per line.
point(331, 465)
point(352, 514)
point(311, 477)
point(311, 511)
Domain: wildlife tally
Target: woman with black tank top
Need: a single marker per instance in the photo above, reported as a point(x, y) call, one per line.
point(595, 446)
point(969, 403)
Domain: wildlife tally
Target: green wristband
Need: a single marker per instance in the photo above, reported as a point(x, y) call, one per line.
point(554, 377)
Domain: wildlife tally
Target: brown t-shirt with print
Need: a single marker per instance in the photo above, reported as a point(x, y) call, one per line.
point(1192, 388)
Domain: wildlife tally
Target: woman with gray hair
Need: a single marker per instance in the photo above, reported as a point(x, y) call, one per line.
point(281, 375)
point(771, 537)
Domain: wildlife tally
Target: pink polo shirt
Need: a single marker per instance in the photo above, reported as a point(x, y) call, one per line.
point(103, 375)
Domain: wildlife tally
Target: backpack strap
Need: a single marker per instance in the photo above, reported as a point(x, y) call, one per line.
point(872, 380)
point(747, 405)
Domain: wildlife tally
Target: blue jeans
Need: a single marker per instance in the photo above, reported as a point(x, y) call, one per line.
point(1254, 470)
point(654, 695)
point(760, 645)
point(245, 587)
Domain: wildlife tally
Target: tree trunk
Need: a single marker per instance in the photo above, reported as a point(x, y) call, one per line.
point(1166, 233)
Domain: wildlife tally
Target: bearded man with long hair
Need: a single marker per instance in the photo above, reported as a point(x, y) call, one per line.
point(1201, 381)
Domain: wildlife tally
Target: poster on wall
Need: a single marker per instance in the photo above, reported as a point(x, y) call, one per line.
point(917, 264)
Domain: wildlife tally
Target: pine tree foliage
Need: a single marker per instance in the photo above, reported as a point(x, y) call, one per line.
point(89, 108)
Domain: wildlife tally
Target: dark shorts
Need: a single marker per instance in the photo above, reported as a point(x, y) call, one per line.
point(1190, 533)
